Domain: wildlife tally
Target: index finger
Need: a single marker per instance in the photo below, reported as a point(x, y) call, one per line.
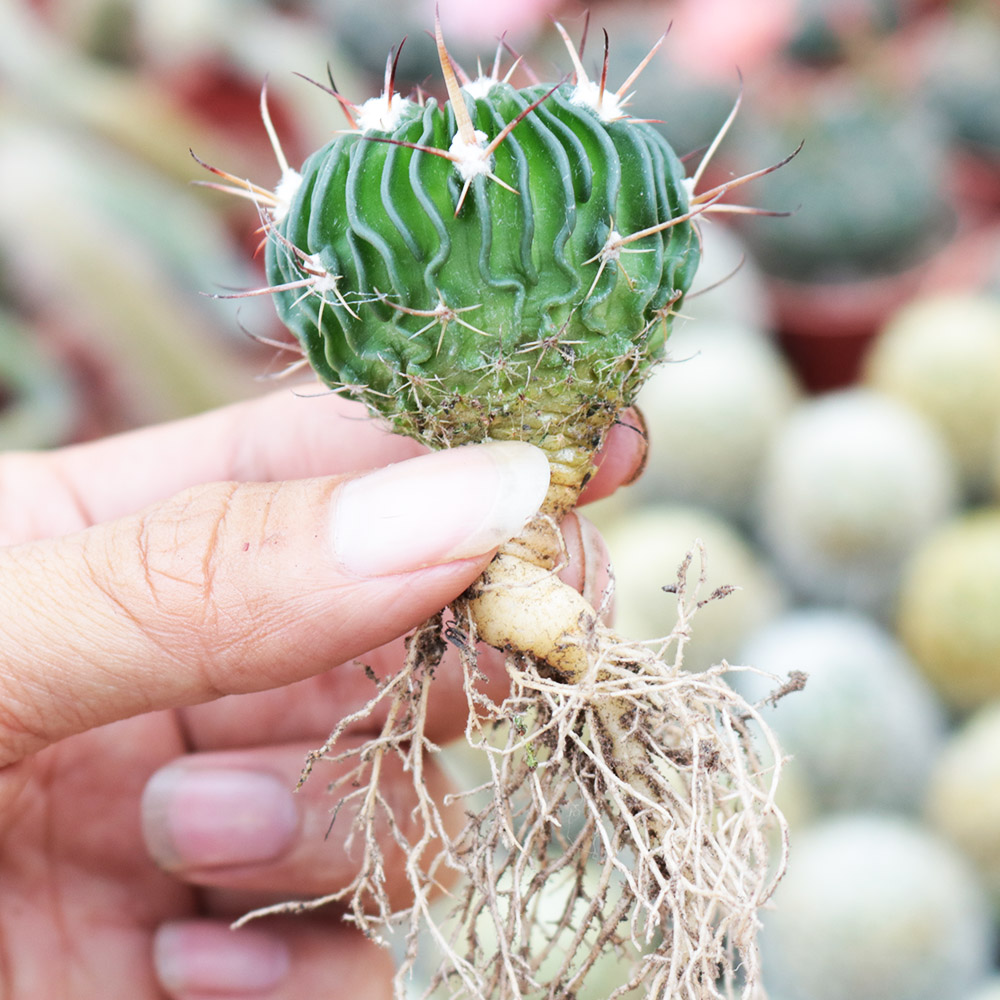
point(283, 435)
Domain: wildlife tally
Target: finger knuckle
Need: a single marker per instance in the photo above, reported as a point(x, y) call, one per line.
point(187, 603)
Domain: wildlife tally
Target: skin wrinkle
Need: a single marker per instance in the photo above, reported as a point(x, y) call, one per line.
point(70, 492)
point(101, 566)
point(160, 541)
point(192, 611)
point(18, 734)
point(171, 540)
point(15, 730)
point(102, 583)
point(183, 549)
point(259, 609)
point(21, 685)
point(64, 509)
point(142, 550)
point(210, 558)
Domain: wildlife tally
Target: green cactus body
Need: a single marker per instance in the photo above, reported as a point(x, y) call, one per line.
point(499, 304)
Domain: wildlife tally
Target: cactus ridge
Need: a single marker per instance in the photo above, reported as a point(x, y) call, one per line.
point(474, 295)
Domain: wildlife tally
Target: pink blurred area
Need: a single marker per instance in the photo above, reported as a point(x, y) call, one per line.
point(712, 38)
point(483, 23)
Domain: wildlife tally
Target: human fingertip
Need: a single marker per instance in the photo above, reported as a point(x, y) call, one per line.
point(622, 457)
point(206, 958)
point(196, 818)
point(454, 504)
point(634, 432)
point(588, 567)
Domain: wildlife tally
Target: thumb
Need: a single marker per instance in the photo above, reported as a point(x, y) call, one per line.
point(229, 588)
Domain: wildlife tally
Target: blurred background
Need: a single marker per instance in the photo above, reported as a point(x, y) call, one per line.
point(826, 430)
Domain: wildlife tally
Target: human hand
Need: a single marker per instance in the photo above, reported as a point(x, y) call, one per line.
point(172, 603)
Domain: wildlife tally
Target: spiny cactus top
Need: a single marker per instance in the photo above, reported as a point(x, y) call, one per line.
point(495, 266)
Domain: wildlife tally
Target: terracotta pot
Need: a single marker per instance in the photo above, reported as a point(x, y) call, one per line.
point(975, 179)
point(825, 329)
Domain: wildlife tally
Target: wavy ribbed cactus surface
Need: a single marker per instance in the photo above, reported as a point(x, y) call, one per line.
point(473, 275)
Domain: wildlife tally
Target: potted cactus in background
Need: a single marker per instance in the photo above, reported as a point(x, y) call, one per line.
point(870, 212)
point(958, 66)
point(827, 32)
point(506, 266)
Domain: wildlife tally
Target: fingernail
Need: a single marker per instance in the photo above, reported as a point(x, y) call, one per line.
point(195, 818)
point(635, 420)
point(451, 504)
point(208, 959)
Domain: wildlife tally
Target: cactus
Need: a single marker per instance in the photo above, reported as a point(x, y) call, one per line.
point(506, 265)
point(905, 215)
point(499, 290)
